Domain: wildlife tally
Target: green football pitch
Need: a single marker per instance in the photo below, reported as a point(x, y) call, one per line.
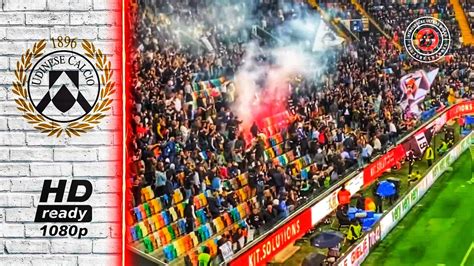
point(439, 230)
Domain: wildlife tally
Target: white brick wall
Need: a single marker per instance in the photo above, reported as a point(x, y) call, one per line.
point(28, 157)
point(75, 154)
point(103, 246)
point(12, 230)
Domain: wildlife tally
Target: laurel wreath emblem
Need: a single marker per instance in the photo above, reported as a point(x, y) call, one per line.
point(76, 128)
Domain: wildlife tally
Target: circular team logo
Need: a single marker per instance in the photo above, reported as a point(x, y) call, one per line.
point(63, 91)
point(63, 86)
point(427, 39)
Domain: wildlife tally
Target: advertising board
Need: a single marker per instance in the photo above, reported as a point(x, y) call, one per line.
point(357, 254)
point(326, 205)
point(356, 183)
point(402, 208)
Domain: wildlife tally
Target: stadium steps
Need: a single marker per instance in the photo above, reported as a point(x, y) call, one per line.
point(372, 20)
point(179, 260)
point(333, 24)
point(286, 253)
point(466, 32)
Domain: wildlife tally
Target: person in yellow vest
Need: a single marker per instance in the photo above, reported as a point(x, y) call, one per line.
point(355, 231)
point(449, 136)
point(204, 258)
point(429, 155)
point(471, 181)
point(369, 204)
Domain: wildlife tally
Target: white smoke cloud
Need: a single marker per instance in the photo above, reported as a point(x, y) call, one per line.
point(259, 80)
point(291, 57)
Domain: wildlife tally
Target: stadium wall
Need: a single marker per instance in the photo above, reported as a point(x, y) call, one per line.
point(28, 157)
point(327, 202)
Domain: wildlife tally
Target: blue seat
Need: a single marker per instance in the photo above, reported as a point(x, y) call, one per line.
point(367, 223)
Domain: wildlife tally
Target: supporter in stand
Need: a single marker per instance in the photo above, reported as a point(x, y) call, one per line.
point(270, 215)
point(256, 221)
point(468, 6)
point(341, 215)
point(415, 177)
point(360, 201)
point(443, 148)
point(333, 254)
point(137, 190)
point(429, 155)
point(411, 161)
point(306, 189)
point(377, 198)
point(369, 204)
point(190, 215)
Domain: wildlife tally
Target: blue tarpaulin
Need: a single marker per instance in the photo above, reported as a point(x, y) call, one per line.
point(428, 114)
point(469, 120)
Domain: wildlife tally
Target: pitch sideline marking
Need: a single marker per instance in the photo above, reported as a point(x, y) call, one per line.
point(463, 262)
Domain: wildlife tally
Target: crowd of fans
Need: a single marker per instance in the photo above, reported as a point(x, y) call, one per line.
point(395, 16)
point(468, 6)
point(339, 9)
point(341, 123)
